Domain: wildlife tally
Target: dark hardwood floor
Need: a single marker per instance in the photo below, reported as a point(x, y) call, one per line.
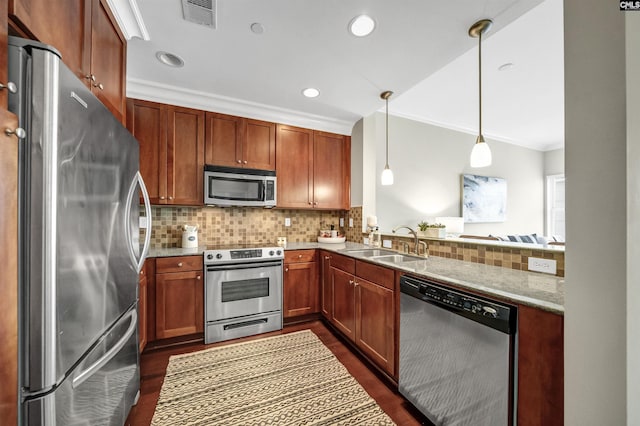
point(154, 364)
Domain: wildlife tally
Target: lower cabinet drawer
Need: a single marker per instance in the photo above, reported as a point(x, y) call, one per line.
point(178, 264)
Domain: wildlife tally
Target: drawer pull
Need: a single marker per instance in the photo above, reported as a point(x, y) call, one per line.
point(198, 277)
point(286, 269)
point(299, 256)
point(327, 257)
point(350, 282)
point(180, 264)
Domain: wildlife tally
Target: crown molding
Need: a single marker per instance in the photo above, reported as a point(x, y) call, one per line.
point(129, 19)
point(173, 95)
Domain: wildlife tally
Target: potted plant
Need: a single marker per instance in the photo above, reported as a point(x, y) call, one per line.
point(432, 230)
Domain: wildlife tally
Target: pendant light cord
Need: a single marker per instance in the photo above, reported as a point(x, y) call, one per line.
point(480, 84)
point(387, 130)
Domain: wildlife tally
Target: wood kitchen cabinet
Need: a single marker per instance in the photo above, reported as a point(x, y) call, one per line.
point(171, 151)
point(239, 142)
point(300, 284)
point(313, 169)
point(364, 308)
point(179, 292)
point(326, 285)
point(540, 367)
point(88, 38)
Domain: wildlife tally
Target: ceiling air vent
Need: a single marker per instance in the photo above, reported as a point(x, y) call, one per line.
point(200, 12)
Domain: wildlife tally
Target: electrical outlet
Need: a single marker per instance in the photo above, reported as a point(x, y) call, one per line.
point(350, 222)
point(143, 222)
point(365, 241)
point(387, 243)
point(547, 266)
point(342, 222)
point(287, 221)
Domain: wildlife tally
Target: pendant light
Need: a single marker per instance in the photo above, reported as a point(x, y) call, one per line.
point(481, 154)
point(387, 174)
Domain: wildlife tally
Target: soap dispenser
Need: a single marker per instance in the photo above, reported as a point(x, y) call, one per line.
point(375, 239)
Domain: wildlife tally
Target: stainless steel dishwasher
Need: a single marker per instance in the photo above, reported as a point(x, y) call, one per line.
point(458, 355)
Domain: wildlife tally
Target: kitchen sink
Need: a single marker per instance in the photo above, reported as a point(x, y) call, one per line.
point(397, 258)
point(370, 252)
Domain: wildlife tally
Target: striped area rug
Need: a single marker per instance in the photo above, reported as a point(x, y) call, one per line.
point(292, 379)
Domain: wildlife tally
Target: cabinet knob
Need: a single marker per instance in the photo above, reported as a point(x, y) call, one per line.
point(90, 77)
point(198, 277)
point(239, 161)
point(245, 161)
point(315, 203)
point(162, 198)
point(310, 203)
point(350, 282)
point(327, 257)
point(180, 264)
point(299, 256)
point(355, 284)
point(19, 132)
point(286, 269)
point(141, 272)
point(99, 86)
point(10, 86)
point(171, 198)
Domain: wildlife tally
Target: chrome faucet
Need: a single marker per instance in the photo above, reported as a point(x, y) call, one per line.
point(411, 231)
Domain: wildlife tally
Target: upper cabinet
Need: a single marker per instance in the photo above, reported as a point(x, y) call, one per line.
point(88, 38)
point(171, 151)
point(240, 142)
point(313, 169)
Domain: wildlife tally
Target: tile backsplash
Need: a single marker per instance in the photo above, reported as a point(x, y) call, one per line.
point(241, 225)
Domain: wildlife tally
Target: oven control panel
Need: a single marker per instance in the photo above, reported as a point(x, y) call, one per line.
point(242, 255)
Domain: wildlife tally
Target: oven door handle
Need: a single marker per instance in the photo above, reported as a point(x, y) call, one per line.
point(236, 266)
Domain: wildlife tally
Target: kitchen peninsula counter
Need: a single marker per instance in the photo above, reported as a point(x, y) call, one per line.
point(542, 291)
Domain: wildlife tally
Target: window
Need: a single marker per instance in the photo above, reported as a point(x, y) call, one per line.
point(555, 207)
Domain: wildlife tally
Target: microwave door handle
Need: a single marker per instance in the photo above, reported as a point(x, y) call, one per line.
point(263, 187)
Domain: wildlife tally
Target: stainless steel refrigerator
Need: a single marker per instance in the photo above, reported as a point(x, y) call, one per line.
point(79, 247)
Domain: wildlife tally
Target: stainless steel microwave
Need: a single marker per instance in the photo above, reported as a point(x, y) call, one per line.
point(232, 186)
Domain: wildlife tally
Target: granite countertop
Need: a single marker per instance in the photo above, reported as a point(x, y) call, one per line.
point(534, 289)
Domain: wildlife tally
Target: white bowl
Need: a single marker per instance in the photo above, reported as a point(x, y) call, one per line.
point(331, 240)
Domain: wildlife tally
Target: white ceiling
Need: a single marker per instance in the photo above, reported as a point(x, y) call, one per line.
point(420, 50)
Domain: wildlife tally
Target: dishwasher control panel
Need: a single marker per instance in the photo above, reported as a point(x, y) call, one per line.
point(477, 308)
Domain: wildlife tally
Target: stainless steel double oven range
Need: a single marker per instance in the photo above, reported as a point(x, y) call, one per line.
point(243, 291)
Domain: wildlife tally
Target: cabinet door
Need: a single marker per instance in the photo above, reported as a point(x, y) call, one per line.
point(179, 307)
point(331, 171)
point(185, 159)
point(326, 282)
point(9, 252)
point(294, 166)
point(108, 59)
point(344, 317)
point(375, 315)
point(259, 147)
point(63, 24)
point(300, 289)
point(147, 121)
point(224, 135)
point(142, 311)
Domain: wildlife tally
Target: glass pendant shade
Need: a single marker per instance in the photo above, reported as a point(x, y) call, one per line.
point(387, 176)
point(481, 153)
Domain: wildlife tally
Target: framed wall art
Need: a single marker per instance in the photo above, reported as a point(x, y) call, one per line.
point(484, 199)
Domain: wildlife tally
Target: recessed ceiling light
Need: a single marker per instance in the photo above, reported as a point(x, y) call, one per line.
point(311, 92)
point(362, 26)
point(170, 59)
point(257, 28)
point(506, 67)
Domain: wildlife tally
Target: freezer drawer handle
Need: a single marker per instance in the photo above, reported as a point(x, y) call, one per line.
point(93, 368)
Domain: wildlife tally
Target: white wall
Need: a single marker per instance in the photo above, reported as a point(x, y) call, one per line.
point(595, 167)
point(428, 161)
point(632, 22)
point(554, 162)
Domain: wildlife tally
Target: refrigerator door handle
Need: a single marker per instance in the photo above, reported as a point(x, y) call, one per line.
point(93, 368)
point(137, 179)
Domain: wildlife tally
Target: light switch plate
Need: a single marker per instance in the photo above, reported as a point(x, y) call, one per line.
point(342, 222)
point(350, 222)
point(287, 221)
point(547, 266)
point(387, 243)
